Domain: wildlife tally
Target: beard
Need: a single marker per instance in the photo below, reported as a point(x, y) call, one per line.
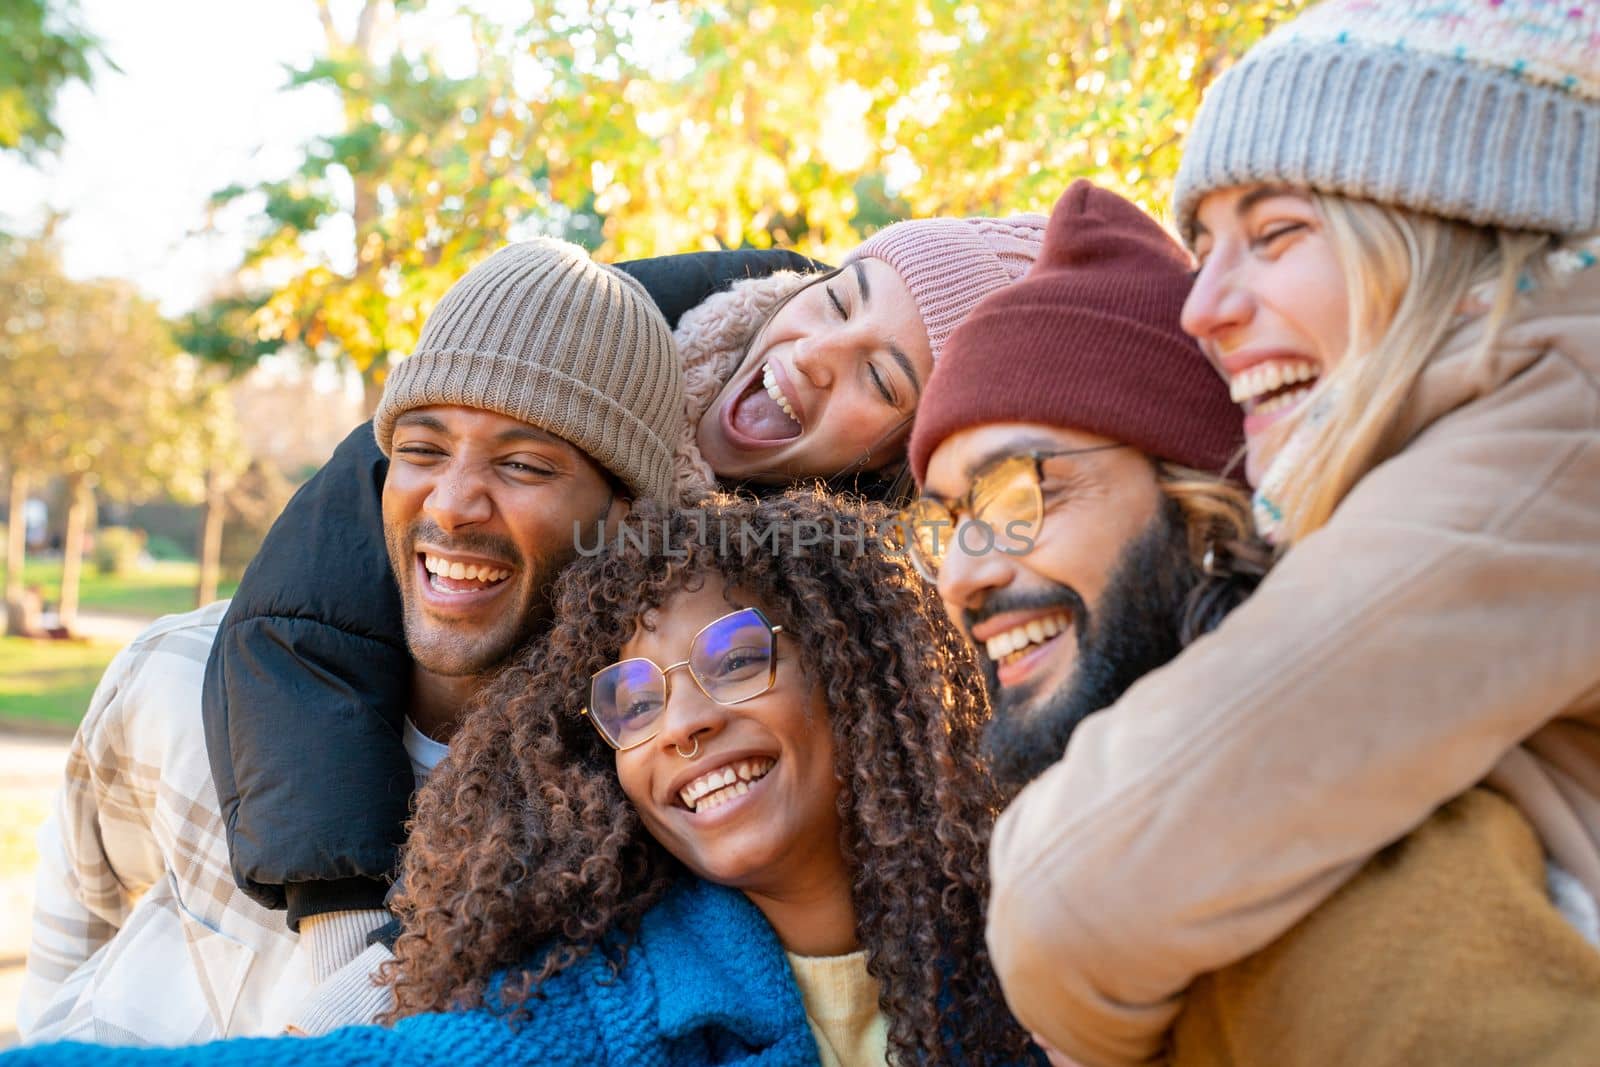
point(453, 649)
point(1134, 629)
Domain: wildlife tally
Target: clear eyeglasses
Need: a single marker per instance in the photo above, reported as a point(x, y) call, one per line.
point(731, 659)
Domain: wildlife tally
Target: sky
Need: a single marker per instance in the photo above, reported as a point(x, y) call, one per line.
point(198, 104)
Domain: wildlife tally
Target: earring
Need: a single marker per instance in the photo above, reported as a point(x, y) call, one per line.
point(1228, 559)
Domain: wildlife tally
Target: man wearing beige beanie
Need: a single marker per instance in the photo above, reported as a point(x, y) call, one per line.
point(544, 393)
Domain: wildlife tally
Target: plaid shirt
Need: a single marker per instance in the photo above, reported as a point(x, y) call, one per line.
point(139, 933)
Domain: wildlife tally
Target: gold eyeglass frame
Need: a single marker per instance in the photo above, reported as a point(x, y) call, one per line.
point(950, 509)
point(666, 677)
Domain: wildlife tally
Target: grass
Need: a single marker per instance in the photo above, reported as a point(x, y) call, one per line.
point(161, 588)
point(45, 688)
point(46, 685)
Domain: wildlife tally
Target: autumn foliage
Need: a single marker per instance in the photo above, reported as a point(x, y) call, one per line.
point(639, 128)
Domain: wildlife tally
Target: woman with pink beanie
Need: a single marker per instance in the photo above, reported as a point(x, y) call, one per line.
point(797, 376)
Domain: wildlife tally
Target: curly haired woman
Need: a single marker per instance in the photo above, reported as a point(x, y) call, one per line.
point(731, 812)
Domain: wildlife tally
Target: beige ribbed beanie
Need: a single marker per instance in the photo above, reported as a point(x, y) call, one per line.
point(543, 334)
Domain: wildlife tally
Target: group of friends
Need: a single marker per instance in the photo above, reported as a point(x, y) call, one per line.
point(1226, 691)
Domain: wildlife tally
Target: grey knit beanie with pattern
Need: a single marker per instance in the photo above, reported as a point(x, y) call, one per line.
point(1485, 111)
point(545, 335)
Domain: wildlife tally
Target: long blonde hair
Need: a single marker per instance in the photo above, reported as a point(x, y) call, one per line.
point(1408, 276)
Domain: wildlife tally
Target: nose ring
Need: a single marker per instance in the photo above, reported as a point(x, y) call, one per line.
point(692, 753)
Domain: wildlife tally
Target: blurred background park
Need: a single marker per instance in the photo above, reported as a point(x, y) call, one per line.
point(222, 223)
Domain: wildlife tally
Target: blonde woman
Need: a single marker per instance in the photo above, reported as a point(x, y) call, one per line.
point(1392, 205)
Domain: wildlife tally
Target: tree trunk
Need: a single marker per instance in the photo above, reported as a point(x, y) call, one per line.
point(16, 552)
point(80, 503)
point(365, 209)
point(211, 541)
point(371, 392)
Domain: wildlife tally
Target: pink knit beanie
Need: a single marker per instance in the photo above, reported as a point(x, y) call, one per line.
point(951, 264)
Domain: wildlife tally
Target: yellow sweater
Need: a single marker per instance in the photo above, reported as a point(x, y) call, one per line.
point(1444, 951)
point(841, 1001)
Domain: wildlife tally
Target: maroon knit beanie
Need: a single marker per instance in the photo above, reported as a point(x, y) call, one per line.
point(1088, 339)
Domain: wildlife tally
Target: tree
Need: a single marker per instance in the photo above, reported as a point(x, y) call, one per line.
point(30, 285)
point(43, 48)
point(205, 459)
point(641, 128)
point(427, 174)
point(92, 389)
point(959, 108)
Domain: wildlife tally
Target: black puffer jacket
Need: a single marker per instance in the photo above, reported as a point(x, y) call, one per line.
point(309, 678)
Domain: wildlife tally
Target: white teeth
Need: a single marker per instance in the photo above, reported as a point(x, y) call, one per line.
point(458, 571)
point(724, 784)
point(1032, 632)
point(770, 382)
point(1265, 377)
point(1278, 403)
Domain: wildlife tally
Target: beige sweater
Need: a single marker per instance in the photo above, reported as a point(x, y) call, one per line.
point(841, 1002)
point(1443, 951)
point(1442, 630)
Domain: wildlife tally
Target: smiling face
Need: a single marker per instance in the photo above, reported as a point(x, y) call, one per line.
point(832, 377)
point(478, 514)
point(755, 807)
point(1063, 629)
point(1269, 305)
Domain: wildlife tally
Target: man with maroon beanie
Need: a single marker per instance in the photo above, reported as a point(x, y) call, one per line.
point(1071, 448)
point(1074, 451)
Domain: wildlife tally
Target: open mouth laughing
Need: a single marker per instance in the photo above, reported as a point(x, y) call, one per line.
point(766, 412)
point(1008, 646)
point(724, 784)
point(1020, 646)
point(454, 577)
point(1273, 386)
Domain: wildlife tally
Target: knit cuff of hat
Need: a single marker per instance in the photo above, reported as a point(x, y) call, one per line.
point(1435, 134)
point(1105, 388)
point(349, 997)
point(333, 939)
point(618, 440)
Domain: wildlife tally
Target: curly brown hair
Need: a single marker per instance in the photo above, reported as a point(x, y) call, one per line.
point(525, 854)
